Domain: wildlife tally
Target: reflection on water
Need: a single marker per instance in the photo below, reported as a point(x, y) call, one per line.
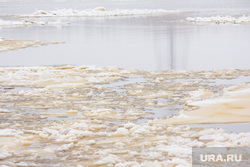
point(147, 43)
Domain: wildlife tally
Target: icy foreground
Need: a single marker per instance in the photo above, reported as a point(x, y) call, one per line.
point(98, 116)
point(28, 22)
point(221, 19)
point(98, 12)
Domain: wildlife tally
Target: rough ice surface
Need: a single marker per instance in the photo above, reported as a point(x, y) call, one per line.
point(9, 132)
point(73, 116)
point(232, 107)
point(29, 22)
point(221, 19)
point(98, 12)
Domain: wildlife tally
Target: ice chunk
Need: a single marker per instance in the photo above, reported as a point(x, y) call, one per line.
point(9, 132)
point(122, 131)
point(65, 147)
point(4, 155)
point(110, 159)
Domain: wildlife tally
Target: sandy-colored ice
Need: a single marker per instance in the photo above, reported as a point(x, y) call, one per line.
point(102, 116)
point(8, 45)
point(233, 107)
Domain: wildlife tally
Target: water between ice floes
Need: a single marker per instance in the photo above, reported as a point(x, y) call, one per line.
point(143, 42)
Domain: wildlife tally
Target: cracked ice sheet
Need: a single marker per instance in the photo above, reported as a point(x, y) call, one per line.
point(94, 138)
point(232, 107)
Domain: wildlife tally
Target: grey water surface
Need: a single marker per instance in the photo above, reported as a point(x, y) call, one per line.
point(157, 42)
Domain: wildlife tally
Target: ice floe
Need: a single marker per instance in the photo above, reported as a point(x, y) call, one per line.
point(221, 19)
point(29, 22)
point(7, 45)
point(9, 132)
point(232, 107)
point(98, 12)
point(4, 155)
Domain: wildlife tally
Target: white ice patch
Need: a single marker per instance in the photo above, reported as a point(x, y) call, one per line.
point(65, 147)
point(22, 164)
point(3, 110)
point(110, 159)
point(4, 155)
point(122, 131)
point(9, 132)
point(99, 113)
point(80, 133)
point(221, 19)
point(98, 12)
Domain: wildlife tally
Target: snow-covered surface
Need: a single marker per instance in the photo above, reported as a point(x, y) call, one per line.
point(29, 22)
point(221, 19)
point(98, 12)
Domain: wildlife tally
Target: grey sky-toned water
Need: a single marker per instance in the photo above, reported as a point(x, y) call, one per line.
point(142, 42)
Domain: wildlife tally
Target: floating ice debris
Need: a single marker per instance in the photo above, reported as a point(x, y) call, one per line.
point(7, 45)
point(221, 19)
point(98, 12)
point(243, 19)
point(9, 132)
point(65, 147)
point(29, 22)
point(101, 135)
point(232, 107)
point(3, 110)
point(4, 155)
point(122, 131)
point(199, 94)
